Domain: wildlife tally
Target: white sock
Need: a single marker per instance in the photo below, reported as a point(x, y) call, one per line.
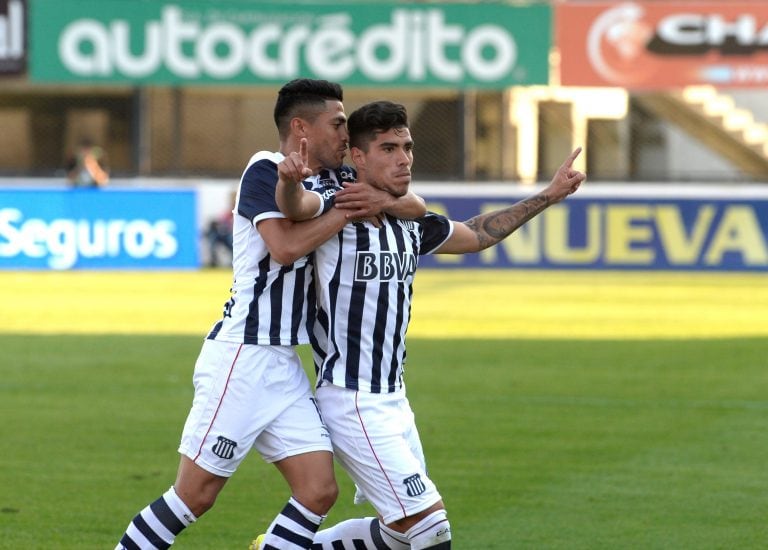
point(363, 533)
point(394, 539)
point(433, 532)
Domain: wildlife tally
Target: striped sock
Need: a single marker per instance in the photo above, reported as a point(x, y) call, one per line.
point(156, 526)
point(292, 529)
point(360, 534)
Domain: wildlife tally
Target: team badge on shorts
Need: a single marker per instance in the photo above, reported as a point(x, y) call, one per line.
point(414, 485)
point(224, 448)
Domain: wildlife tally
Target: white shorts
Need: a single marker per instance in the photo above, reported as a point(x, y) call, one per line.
point(375, 439)
point(249, 396)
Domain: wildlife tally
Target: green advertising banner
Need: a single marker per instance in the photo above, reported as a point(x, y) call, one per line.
point(483, 45)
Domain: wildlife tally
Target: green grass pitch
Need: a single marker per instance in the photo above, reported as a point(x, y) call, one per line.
point(558, 411)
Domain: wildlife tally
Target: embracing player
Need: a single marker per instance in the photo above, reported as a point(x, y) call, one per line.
point(251, 392)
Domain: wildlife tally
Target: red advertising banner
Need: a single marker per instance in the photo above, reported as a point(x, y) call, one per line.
point(645, 45)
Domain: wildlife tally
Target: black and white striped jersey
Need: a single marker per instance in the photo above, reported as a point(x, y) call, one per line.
point(364, 287)
point(270, 304)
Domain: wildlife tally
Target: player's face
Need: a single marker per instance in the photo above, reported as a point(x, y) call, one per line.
point(387, 163)
point(327, 137)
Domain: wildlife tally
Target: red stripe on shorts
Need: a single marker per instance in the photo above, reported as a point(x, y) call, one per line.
point(370, 445)
point(229, 375)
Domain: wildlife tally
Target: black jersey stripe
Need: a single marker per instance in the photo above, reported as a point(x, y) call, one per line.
point(297, 302)
point(251, 335)
point(332, 351)
point(413, 234)
point(356, 309)
point(380, 323)
point(276, 306)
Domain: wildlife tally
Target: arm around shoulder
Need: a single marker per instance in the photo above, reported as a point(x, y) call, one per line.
point(287, 240)
point(408, 207)
point(361, 200)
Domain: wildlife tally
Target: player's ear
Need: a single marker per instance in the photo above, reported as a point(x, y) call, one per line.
point(358, 156)
point(298, 127)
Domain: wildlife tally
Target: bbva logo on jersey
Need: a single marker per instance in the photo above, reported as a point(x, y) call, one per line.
point(384, 266)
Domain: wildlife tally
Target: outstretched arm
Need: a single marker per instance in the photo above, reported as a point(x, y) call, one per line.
point(360, 200)
point(486, 230)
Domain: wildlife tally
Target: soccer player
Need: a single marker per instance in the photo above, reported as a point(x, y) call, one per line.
point(365, 277)
point(250, 389)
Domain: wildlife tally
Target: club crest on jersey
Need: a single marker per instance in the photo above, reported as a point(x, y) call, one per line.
point(224, 448)
point(414, 486)
point(384, 266)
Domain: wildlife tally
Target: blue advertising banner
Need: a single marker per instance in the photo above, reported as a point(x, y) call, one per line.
point(97, 229)
point(601, 227)
point(637, 233)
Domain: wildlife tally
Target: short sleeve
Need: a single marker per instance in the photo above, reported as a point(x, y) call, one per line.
point(435, 230)
point(257, 190)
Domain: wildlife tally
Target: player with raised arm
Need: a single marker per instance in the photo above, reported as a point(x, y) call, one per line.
point(251, 391)
point(365, 277)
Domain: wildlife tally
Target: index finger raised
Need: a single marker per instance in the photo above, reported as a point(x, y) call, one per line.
point(303, 151)
point(569, 161)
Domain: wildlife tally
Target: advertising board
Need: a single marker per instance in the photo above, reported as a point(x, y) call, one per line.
point(484, 45)
point(657, 45)
point(97, 229)
point(614, 227)
point(624, 230)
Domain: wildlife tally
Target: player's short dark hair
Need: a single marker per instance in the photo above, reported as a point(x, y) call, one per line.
point(372, 119)
point(305, 98)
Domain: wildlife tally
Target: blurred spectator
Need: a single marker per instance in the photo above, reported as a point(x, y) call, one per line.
point(219, 236)
point(88, 167)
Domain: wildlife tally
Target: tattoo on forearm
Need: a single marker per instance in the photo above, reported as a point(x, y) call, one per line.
point(495, 226)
